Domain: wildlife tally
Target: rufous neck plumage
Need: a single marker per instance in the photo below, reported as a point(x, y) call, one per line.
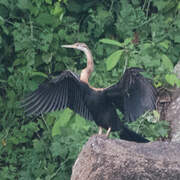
point(86, 72)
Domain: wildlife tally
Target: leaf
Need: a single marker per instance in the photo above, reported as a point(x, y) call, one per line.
point(38, 146)
point(48, 1)
point(160, 4)
point(57, 9)
point(177, 22)
point(24, 4)
point(162, 128)
point(172, 79)
point(127, 41)
point(178, 5)
point(39, 74)
point(58, 150)
point(111, 42)
point(147, 45)
point(165, 44)
point(163, 132)
point(1, 20)
point(167, 62)
point(80, 123)
point(46, 19)
point(156, 115)
point(5, 3)
point(177, 38)
point(47, 57)
point(113, 59)
point(18, 62)
point(63, 119)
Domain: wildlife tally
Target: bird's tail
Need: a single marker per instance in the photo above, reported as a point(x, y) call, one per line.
point(129, 135)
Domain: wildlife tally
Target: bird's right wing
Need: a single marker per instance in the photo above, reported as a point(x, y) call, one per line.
point(66, 90)
point(133, 94)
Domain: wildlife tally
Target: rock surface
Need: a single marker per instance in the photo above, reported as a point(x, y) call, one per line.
point(173, 116)
point(107, 159)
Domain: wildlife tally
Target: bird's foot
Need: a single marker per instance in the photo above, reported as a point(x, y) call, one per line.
point(108, 132)
point(100, 130)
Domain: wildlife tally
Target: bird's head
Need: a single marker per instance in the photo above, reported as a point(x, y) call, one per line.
point(80, 46)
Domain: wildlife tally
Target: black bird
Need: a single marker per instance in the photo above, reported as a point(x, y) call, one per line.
point(132, 95)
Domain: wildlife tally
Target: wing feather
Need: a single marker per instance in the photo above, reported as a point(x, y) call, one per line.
point(31, 99)
point(133, 94)
point(64, 91)
point(52, 100)
point(36, 101)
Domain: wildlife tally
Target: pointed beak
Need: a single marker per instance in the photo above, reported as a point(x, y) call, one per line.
point(69, 46)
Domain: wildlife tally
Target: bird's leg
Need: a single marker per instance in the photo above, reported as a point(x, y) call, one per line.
point(100, 130)
point(108, 131)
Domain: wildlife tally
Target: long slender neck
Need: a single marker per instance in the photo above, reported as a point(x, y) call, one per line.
point(86, 72)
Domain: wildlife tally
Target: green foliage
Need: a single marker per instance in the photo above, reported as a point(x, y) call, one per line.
point(143, 58)
point(120, 34)
point(113, 59)
point(172, 79)
point(111, 42)
point(150, 126)
point(67, 122)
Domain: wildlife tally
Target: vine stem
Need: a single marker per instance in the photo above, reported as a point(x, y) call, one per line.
point(125, 64)
point(148, 5)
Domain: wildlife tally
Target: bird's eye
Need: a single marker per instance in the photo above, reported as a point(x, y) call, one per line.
point(83, 45)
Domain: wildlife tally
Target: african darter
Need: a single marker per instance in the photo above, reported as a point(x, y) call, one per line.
point(132, 95)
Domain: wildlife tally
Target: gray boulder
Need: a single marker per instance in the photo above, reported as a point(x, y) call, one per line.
point(106, 159)
point(177, 69)
point(173, 116)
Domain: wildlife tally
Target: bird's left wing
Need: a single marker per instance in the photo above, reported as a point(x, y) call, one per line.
point(133, 94)
point(66, 90)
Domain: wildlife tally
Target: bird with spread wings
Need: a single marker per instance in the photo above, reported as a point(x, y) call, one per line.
point(133, 95)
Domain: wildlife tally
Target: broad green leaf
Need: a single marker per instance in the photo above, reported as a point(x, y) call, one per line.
point(162, 128)
point(177, 38)
point(48, 1)
point(46, 19)
point(167, 62)
point(39, 74)
point(172, 79)
point(57, 9)
point(63, 119)
point(162, 132)
point(165, 44)
point(178, 5)
point(24, 4)
point(111, 42)
point(156, 115)
point(113, 59)
point(146, 75)
point(80, 123)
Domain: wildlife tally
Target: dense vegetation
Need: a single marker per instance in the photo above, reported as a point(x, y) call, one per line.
point(120, 33)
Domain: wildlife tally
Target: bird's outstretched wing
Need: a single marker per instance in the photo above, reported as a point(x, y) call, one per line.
point(133, 94)
point(64, 91)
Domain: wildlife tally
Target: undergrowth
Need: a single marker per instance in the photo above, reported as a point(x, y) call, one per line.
point(121, 34)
